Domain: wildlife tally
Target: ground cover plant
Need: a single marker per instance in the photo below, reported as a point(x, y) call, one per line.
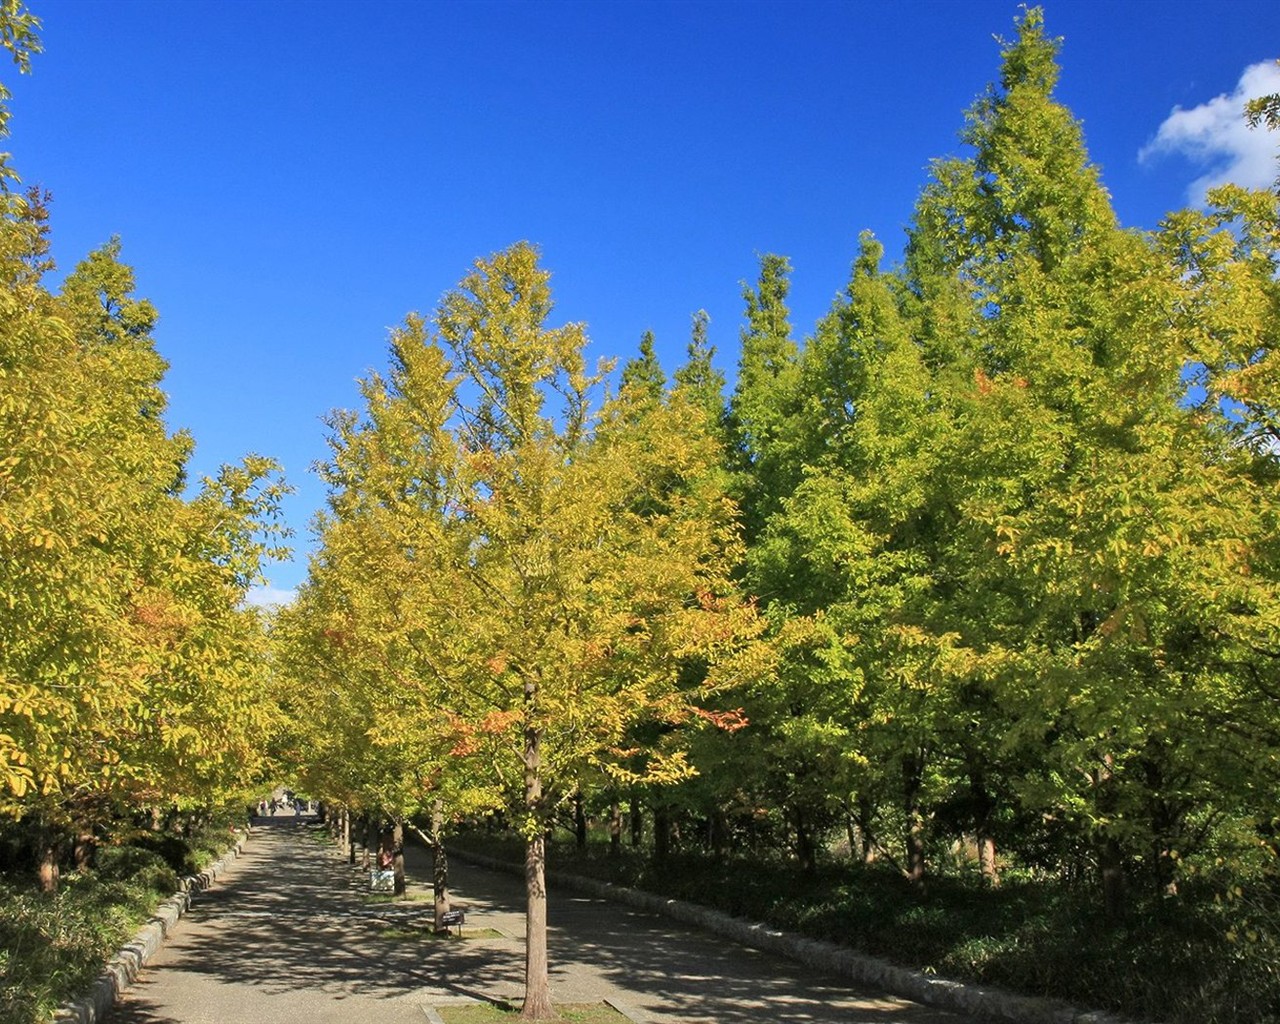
point(1206, 958)
point(53, 945)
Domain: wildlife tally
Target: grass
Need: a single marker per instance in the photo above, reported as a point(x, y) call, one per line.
point(487, 1013)
point(410, 896)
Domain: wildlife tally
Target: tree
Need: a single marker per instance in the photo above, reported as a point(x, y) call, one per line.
point(1090, 490)
point(644, 374)
point(131, 671)
point(763, 414)
point(553, 564)
point(698, 380)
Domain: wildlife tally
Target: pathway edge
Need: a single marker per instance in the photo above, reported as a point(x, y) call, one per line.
point(123, 968)
point(930, 989)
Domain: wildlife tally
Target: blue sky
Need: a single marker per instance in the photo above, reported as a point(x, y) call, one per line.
point(290, 179)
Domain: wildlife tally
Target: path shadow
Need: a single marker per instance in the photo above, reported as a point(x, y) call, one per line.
point(295, 921)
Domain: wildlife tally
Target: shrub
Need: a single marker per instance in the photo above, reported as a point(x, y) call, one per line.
point(144, 869)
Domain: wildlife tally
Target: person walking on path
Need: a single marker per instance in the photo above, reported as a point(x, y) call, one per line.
point(292, 934)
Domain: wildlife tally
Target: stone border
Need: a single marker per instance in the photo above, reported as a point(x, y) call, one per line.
point(945, 994)
point(122, 969)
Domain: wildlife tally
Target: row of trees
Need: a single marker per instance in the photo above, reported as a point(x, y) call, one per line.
point(1011, 510)
point(990, 556)
point(131, 674)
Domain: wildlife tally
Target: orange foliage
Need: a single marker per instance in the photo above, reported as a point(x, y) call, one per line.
point(496, 722)
point(729, 721)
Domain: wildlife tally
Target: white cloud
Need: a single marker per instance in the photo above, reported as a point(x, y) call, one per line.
point(269, 597)
point(1214, 135)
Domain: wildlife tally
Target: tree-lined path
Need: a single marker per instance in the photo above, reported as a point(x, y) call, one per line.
point(290, 934)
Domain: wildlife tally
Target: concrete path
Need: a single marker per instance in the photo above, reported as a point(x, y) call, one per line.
point(291, 934)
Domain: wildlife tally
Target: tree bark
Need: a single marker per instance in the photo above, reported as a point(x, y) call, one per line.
point(47, 865)
point(719, 833)
point(439, 865)
point(1111, 870)
point(805, 851)
point(637, 821)
point(615, 827)
point(397, 850)
point(987, 860)
point(579, 822)
point(912, 780)
point(370, 838)
point(85, 847)
point(537, 982)
point(661, 834)
point(866, 835)
point(983, 812)
point(1109, 852)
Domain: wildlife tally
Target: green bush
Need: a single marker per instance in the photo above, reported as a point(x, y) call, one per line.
point(52, 946)
point(144, 868)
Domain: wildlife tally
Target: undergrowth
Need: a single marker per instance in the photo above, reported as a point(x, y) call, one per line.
point(53, 946)
point(1210, 955)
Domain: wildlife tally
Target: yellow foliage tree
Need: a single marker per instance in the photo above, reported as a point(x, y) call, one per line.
point(513, 576)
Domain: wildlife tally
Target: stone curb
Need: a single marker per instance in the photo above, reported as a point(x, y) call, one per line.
point(961, 997)
point(123, 968)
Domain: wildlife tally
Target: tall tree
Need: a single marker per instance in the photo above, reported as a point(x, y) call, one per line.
point(130, 669)
point(557, 560)
point(1083, 480)
point(698, 380)
point(643, 374)
point(763, 415)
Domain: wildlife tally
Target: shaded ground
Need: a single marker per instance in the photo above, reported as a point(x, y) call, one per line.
point(290, 934)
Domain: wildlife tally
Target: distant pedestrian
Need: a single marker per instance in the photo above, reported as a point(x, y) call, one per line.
point(384, 876)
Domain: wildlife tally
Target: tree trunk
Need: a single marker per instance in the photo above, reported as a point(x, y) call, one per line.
point(719, 834)
point(1109, 852)
point(615, 827)
point(579, 822)
point(537, 982)
point(84, 849)
point(637, 821)
point(983, 812)
point(987, 860)
point(866, 813)
point(397, 849)
point(661, 834)
point(439, 865)
point(370, 838)
point(805, 851)
point(1111, 870)
point(912, 780)
point(47, 863)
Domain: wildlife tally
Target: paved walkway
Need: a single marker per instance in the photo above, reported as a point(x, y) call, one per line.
point(290, 934)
